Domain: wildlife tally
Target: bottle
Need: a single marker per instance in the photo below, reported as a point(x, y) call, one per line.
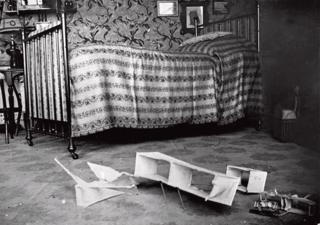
point(12, 53)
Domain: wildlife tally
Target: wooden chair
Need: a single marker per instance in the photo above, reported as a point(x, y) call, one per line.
point(14, 103)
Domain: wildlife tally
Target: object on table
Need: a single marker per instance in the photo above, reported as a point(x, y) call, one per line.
point(95, 191)
point(251, 180)
point(16, 57)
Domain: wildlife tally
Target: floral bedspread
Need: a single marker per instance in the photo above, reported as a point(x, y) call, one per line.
point(121, 86)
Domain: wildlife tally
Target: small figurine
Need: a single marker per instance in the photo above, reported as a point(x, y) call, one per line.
point(12, 5)
point(15, 54)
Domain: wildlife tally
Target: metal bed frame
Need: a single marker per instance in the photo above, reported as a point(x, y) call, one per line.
point(48, 114)
point(47, 81)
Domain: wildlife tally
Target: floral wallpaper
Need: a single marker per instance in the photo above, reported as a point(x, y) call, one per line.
point(129, 22)
point(135, 22)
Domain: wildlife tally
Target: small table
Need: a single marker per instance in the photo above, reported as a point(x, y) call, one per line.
point(11, 74)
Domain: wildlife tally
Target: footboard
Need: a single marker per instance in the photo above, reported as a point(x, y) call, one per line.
point(47, 84)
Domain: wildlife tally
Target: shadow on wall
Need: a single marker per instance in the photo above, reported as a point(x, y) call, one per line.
point(290, 57)
point(293, 3)
point(235, 8)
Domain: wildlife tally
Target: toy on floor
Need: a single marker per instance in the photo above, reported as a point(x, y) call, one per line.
point(275, 204)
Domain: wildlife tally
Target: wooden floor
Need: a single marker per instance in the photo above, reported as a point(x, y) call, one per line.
point(35, 190)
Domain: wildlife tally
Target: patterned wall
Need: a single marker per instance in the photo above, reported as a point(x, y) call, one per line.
point(130, 22)
point(235, 8)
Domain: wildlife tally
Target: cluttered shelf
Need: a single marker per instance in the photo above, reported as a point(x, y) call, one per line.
point(17, 7)
point(22, 9)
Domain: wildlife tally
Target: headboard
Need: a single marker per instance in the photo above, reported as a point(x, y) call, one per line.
point(246, 26)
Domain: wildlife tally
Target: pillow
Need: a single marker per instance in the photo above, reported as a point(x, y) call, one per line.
point(208, 36)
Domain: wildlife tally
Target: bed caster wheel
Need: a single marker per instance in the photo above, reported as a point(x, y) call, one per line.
point(258, 125)
point(30, 143)
point(74, 155)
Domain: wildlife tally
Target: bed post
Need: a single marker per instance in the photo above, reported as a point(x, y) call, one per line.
point(71, 146)
point(258, 26)
point(260, 119)
point(26, 116)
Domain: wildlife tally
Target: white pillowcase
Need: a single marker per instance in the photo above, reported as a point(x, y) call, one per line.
point(208, 36)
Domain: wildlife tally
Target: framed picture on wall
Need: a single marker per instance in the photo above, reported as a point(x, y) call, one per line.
point(168, 8)
point(220, 7)
point(193, 12)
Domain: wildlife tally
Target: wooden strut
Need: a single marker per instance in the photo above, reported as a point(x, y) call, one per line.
point(180, 197)
point(163, 191)
point(165, 197)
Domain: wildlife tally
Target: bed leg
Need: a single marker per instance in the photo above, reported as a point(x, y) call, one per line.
point(258, 124)
point(72, 149)
point(28, 130)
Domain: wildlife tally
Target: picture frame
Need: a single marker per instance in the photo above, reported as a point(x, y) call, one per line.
point(195, 11)
point(191, 10)
point(220, 7)
point(168, 8)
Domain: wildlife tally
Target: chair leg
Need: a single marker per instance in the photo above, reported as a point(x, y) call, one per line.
point(5, 112)
point(18, 123)
point(6, 137)
point(18, 95)
point(27, 128)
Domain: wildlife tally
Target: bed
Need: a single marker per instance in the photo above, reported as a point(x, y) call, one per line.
point(239, 91)
point(214, 78)
point(121, 86)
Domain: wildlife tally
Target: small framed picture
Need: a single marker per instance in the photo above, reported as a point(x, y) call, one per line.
point(168, 8)
point(220, 7)
point(194, 13)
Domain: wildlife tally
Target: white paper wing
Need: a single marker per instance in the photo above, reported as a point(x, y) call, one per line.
point(104, 172)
